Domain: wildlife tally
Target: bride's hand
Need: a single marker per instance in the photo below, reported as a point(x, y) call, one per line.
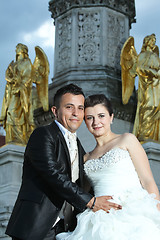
point(103, 203)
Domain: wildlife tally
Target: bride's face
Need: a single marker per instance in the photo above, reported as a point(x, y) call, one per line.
point(98, 120)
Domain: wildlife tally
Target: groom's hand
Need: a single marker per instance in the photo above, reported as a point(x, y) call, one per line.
point(103, 203)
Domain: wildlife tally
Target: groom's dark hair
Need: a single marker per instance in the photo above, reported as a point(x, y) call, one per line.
point(70, 88)
point(95, 99)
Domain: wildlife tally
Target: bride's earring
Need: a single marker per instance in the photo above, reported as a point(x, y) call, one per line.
point(112, 118)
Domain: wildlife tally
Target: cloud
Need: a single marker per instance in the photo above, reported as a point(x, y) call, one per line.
point(44, 33)
point(147, 21)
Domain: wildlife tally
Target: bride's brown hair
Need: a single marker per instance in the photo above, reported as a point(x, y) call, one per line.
point(95, 99)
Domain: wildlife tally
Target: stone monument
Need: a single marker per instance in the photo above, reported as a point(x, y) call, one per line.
point(88, 40)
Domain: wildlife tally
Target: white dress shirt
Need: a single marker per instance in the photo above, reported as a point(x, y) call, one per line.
point(73, 151)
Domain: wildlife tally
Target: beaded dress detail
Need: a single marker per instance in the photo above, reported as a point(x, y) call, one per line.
point(114, 174)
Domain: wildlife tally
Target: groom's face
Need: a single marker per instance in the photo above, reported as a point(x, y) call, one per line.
point(70, 112)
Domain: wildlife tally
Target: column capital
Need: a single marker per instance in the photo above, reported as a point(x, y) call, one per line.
point(59, 7)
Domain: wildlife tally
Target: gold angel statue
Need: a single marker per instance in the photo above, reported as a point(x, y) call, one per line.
point(17, 108)
point(145, 65)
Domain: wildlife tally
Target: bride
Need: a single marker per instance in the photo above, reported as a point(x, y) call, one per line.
point(117, 166)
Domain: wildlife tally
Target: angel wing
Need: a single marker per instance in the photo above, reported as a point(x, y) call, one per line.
point(128, 68)
point(40, 72)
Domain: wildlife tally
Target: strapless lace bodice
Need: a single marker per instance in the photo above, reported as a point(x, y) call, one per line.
point(112, 173)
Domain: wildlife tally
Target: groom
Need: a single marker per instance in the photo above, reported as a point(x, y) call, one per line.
point(53, 172)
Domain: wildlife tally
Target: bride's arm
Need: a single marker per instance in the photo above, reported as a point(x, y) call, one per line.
point(141, 163)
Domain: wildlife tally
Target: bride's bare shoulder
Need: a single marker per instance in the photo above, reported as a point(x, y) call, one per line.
point(128, 136)
point(128, 139)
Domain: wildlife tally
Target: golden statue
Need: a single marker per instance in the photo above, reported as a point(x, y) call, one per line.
point(17, 107)
point(147, 66)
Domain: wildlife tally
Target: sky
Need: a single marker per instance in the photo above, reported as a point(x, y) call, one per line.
point(29, 22)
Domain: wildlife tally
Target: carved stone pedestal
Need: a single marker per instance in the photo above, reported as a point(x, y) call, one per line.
point(89, 35)
point(11, 159)
point(153, 152)
point(88, 40)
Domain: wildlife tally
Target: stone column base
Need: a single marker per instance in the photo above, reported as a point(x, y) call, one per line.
point(152, 150)
point(11, 160)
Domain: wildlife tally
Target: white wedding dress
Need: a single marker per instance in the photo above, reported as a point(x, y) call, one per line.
point(114, 174)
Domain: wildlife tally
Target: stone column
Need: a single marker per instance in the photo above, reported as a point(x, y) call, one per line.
point(11, 159)
point(88, 40)
point(153, 152)
point(89, 35)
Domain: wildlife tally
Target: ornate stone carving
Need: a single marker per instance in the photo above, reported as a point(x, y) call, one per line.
point(88, 38)
point(5, 212)
point(124, 115)
point(88, 47)
point(115, 37)
point(127, 7)
point(42, 118)
point(64, 43)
